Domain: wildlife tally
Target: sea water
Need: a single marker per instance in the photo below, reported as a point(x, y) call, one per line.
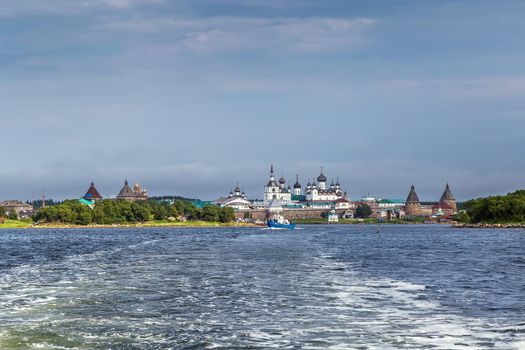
point(319, 287)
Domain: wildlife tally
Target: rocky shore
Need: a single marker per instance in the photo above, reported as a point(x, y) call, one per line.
point(484, 225)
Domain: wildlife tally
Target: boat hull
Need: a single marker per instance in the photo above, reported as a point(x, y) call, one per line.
point(274, 224)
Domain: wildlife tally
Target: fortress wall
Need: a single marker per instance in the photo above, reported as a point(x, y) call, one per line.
point(290, 214)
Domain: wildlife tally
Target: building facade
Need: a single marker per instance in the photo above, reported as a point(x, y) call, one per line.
point(274, 190)
point(445, 207)
point(236, 200)
point(135, 194)
point(22, 210)
point(321, 192)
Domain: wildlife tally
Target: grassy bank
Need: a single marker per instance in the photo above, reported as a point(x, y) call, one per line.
point(156, 223)
point(15, 224)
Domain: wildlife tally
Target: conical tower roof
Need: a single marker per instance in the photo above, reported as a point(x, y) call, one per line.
point(126, 191)
point(447, 195)
point(412, 196)
point(92, 193)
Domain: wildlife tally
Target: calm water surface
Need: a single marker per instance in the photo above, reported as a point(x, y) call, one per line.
point(321, 287)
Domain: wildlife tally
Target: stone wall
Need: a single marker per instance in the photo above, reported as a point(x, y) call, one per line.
point(413, 209)
point(290, 214)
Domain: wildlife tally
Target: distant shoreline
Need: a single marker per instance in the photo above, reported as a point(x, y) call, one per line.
point(187, 224)
point(484, 225)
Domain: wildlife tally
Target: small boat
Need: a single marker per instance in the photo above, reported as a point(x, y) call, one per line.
point(280, 222)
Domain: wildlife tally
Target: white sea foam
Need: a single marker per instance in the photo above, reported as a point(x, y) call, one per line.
point(398, 311)
point(321, 303)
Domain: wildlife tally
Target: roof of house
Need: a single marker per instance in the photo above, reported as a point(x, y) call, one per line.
point(342, 200)
point(391, 201)
point(92, 192)
point(15, 203)
point(298, 197)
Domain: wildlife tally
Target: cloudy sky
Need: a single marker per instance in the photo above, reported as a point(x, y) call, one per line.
point(190, 97)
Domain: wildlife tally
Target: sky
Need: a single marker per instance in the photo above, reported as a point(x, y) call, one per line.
point(191, 97)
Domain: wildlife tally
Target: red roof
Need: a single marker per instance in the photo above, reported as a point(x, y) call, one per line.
point(92, 193)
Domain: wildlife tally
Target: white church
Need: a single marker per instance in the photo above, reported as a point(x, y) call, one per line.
point(314, 192)
point(274, 190)
point(316, 195)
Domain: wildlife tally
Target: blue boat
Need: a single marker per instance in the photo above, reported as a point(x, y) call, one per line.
point(272, 223)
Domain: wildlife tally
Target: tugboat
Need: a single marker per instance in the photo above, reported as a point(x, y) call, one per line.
point(275, 218)
point(278, 221)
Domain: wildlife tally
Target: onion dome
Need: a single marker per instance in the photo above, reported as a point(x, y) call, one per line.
point(412, 196)
point(237, 189)
point(297, 184)
point(282, 181)
point(447, 195)
point(321, 178)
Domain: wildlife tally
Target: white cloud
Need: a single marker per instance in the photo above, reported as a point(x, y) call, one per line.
point(23, 7)
point(476, 87)
point(244, 34)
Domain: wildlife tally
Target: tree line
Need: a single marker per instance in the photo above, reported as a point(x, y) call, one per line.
point(509, 208)
point(111, 211)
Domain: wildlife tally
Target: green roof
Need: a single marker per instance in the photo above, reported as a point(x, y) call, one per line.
point(298, 198)
point(391, 201)
point(201, 204)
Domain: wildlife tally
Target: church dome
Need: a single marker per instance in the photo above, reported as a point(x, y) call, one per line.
point(297, 184)
point(321, 178)
point(282, 180)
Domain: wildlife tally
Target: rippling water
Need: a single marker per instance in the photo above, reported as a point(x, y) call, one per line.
point(321, 287)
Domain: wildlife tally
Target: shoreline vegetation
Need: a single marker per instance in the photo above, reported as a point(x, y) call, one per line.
point(11, 224)
point(507, 211)
point(485, 225)
point(122, 212)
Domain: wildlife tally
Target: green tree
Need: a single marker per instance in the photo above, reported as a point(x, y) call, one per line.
point(210, 213)
point(161, 212)
point(12, 215)
point(178, 208)
point(226, 214)
point(2, 212)
point(141, 211)
point(363, 211)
